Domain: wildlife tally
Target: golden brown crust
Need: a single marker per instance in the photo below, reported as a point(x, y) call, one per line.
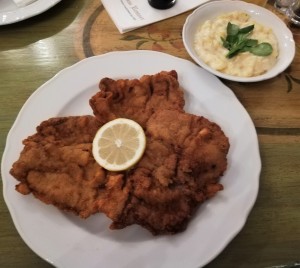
point(184, 159)
point(57, 166)
point(137, 99)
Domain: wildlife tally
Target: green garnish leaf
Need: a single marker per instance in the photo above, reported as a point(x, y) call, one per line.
point(247, 29)
point(231, 39)
point(251, 42)
point(237, 41)
point(232, 29)
point(262, 49)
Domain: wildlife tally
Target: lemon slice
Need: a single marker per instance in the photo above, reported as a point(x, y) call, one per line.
point(119, 144)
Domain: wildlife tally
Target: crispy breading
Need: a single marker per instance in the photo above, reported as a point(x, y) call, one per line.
point(181, 167)
point(57, 165)
point(184, 159)
point(137, 99)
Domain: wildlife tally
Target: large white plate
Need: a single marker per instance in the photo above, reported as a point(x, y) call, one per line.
point(65, 240)
point(11, 13)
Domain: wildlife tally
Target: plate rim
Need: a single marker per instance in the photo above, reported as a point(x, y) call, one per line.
point(26, 12)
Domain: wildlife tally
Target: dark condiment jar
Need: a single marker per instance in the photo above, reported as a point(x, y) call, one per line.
point(162, 4)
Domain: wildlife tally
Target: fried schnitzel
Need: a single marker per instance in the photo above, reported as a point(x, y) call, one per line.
point(181, 167)
point(57, 166)
point(137, 99)
point(184, 159)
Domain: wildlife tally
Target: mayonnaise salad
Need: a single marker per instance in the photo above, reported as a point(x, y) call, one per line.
point(209, 47)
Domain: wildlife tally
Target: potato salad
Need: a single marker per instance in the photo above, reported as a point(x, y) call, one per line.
point(210, 47)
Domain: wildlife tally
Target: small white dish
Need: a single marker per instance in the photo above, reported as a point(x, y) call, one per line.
point(213, 9)
point(11, 13)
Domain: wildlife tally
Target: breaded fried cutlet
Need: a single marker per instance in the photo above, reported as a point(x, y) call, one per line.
point(57, 166)
point(181, 168)
point(137, 99)
point(184, 159)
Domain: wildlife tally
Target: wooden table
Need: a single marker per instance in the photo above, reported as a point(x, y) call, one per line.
point(33, 51)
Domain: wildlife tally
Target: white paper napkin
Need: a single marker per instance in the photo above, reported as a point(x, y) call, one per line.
point(23, 3)
point(128, 15)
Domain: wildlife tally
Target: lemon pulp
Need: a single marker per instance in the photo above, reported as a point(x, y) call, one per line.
point(119, 144)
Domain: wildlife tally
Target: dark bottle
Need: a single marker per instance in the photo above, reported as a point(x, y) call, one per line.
point(162, 4)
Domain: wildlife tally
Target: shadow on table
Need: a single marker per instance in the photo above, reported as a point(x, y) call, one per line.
point(41, 26)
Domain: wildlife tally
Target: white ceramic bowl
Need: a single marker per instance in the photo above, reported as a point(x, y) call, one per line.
point(265, 17)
